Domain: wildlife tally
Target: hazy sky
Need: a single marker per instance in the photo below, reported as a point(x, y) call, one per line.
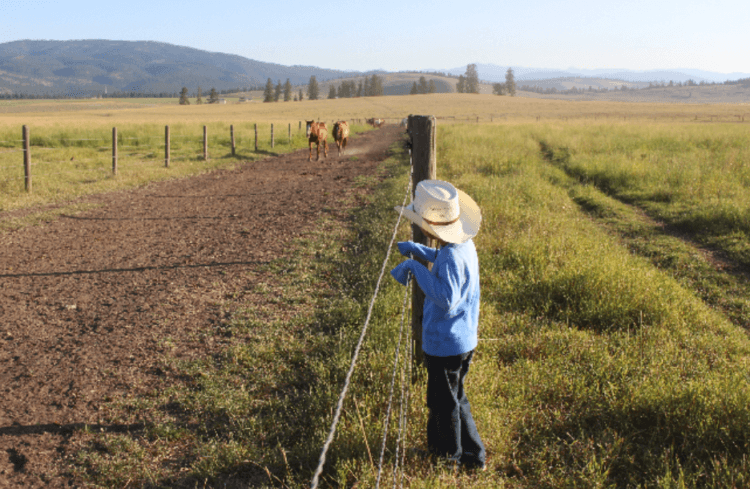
point(406, 34)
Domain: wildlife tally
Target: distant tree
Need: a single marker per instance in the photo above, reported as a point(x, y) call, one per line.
point(423, 85)
point(510, 82)
point(332, 92)
point(287, 90)
point(199, 100)
point(367, 92)
point(183, 97)
point(359, 89)
point(376, 85)
point(461, 84)
point(414, 89)
point(213, 97)
point(268, 92)
point(431, 88)
point(300, 95)
point(312, 89)
point(472, 79)
point(498, 88)
point(277, 92)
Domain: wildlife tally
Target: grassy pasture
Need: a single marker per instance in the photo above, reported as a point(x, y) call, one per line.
point(65, 166)
point(611, 354)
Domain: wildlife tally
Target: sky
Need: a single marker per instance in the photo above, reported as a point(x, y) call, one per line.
point(400, 35)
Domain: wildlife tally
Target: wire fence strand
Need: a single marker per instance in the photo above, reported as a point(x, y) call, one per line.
point(393, 383)
point(340, 404)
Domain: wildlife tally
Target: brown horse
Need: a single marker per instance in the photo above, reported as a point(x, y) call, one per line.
point(341, 135)
point(317, 133)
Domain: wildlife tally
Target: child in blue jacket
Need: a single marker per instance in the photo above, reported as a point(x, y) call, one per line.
point(451, 313)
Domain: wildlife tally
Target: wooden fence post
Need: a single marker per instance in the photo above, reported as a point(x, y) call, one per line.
point(256, 137)
point(26, 158)
point(424, 163)
point(231, 134)
point(290, 134)
point(272, 135)
point(166, 146)
point(114, 151)
point(205, 143)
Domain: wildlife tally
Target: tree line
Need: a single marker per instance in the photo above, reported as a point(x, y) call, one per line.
point(469, 82)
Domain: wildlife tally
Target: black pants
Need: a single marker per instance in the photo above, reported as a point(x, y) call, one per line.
point(451, 431)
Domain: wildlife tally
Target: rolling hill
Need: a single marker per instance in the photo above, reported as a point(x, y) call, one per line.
point(89, 67)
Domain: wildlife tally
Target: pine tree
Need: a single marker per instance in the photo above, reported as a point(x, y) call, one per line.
point(461, 85)
point(367, 92)
point(510, 82)
point(268, 92)
point(300, 98)
point(359, 90)
point(423, 85)
point(376, 86)
point(199, 100)
point(472, 79)
point(213, 97)
point(414, 89)
point(313, 89)
point(184, 97)
point(332, 92)
point(432, 88)
point(277, 92)
point(287, 90)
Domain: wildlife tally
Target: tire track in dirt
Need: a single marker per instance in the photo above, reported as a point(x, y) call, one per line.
point(89, 302)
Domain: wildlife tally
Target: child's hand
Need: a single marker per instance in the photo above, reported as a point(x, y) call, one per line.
point(401, 272)
point(406, 248)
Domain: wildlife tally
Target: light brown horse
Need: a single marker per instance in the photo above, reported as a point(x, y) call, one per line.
point(317, 133)
point(341, 135)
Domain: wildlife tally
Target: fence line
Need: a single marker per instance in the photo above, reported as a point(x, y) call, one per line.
point(393, 383)
point(151, 150)
point(340, 404)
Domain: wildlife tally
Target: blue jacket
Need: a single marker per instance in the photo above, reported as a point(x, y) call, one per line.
point(451, 307)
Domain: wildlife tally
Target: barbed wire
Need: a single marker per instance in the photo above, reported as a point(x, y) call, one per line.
point(340, 404)
point(13, 151)
point(393, 383)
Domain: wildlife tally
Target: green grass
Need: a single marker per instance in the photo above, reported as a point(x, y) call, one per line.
point(610, 354)
point(67, 163)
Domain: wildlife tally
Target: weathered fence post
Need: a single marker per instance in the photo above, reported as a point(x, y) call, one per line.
point(166, 146)
point(290, 133)
point(26, 158)
point(424, 167)
point(272, 135)
point(231, 134)
point(300, 126)
point(114, 151)
point(256, 137)
point(205, 143)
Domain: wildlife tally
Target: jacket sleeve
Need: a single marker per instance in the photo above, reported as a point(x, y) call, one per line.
point(444, 289)
point(424, 252)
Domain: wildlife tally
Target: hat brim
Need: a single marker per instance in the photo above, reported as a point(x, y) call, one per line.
point(461, 231)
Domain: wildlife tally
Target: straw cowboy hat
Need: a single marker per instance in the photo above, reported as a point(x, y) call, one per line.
point(444, 211)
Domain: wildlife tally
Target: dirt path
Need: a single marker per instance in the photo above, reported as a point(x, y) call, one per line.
point(87, 301)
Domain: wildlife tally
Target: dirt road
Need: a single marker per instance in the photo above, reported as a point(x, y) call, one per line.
point(88, 300)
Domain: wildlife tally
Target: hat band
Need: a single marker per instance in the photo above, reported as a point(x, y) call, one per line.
point(431, 223)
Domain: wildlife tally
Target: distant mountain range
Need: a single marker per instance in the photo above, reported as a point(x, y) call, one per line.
point(89, 67)
point(496, 73)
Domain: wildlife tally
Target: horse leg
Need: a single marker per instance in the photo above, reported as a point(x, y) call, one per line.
point(309, 158)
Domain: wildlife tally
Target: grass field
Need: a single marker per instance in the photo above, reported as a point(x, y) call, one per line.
point(613, 348)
